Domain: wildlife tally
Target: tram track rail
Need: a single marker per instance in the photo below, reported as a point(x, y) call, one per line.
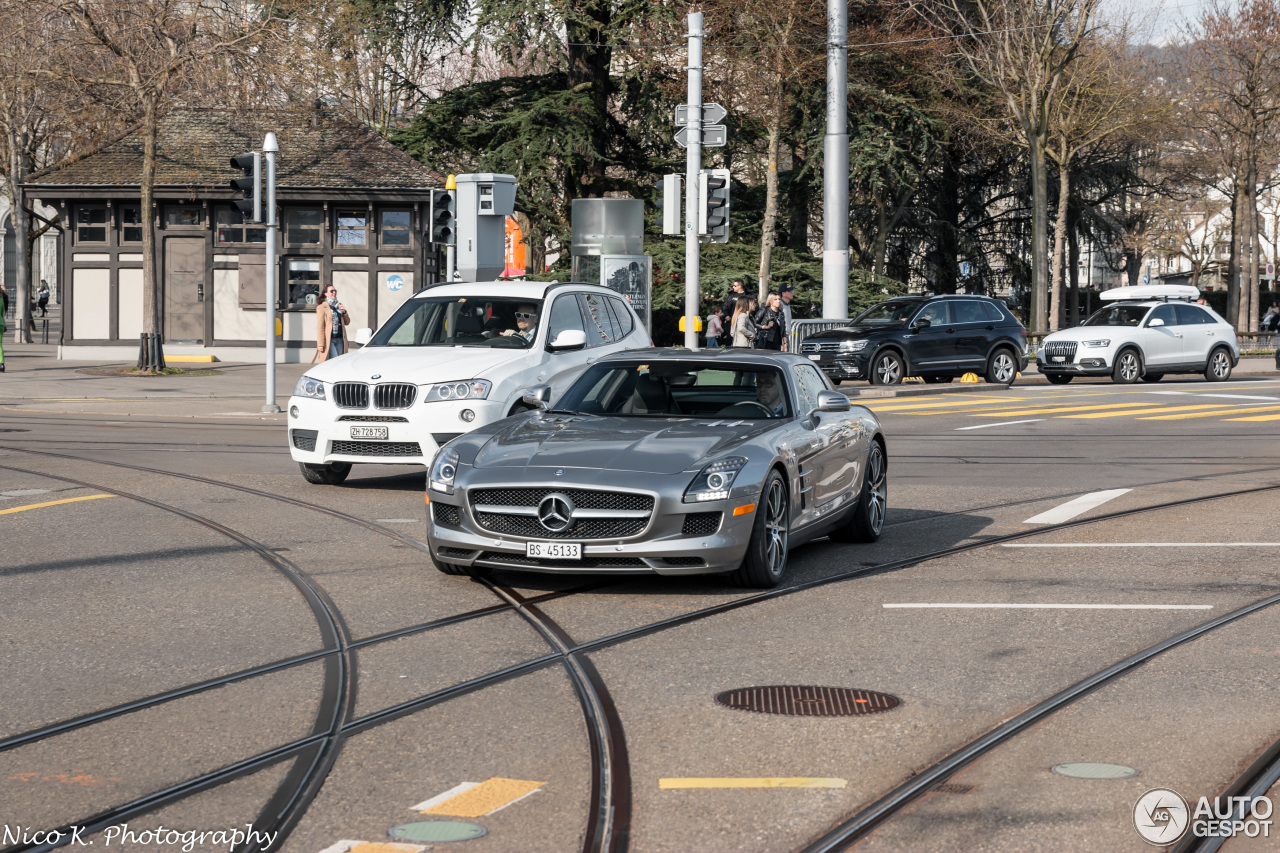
point(608, 826)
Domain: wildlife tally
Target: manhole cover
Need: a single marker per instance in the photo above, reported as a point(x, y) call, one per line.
point(800, 701)
point(438, 830)
point(1093, 770)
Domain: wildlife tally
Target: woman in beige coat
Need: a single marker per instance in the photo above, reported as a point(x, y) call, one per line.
point(332, 320)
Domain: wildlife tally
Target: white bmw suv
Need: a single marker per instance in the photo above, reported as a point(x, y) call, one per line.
point(452, 358)
point(1144, 333)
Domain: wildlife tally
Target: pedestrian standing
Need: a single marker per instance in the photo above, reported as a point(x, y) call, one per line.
point(742, 326)
point(714, 329)
point(43, 297)
point(331, 322)
point(773, 328)
point(731, 298)
point(787, 292)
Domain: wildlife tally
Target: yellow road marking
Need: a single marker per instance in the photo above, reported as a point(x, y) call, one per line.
point(53, 503)
point(486, 797)
point(1258, 418)
point(1148, 411)
point(1244, 409)
point(752, 782)
point(1094, 407)
point(895, 407)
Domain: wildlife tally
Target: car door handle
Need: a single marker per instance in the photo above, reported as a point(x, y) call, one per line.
point(1177, 334)
point(950, 331)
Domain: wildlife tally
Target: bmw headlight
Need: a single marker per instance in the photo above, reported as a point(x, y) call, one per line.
point(470, 389)
point(308, 387)
point(853, 346)
point(1102, 343)
point(443, 471)
point(714, 481)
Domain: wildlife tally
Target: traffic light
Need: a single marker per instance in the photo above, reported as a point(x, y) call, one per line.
point(713, 205)
point(249, 186)
point(444, 206)
point(669, 204)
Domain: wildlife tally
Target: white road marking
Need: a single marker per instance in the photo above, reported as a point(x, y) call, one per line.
point(22, 493)
point(447, 795)
point(396, 520)
point(1002, 423)
point(1072, 508)
point(1147, 545)
point(1048, 606)
point(1223, 396)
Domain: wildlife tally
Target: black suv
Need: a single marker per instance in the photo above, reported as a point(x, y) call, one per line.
point(934, 337)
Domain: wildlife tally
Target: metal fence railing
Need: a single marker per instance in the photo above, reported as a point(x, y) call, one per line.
point(801, 329)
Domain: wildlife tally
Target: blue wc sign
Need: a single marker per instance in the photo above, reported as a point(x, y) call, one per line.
point(394, 283)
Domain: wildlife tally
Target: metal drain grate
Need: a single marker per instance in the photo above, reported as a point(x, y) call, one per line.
point(801, 701)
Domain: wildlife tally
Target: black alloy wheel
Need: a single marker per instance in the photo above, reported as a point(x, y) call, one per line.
point(867, 522)
point(1128, 368)
point(1219, 367)
point(331, 474)
point(766, 558)
point(888, 369)
point(1058, 378)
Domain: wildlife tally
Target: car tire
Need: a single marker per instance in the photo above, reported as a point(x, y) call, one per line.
point(1128, 367)
point(1002, 367)
point(1152, 377)
point(331, 474)
point(867, 522)
point(1219, 367)
point(887, 369)
point(766, 558)
point(938, 380)
point(1058, 378)
point(835, 381)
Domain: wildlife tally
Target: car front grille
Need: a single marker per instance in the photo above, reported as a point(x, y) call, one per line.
point(351, 395)
point(1061, 348)
point(701, 523)
point(374, 419)
point(394, 395)
point(378, 448)
point(494, 510)
point(305, 439)
point(587, 562)
point(820, 346)
point(463, 553)
point(446, 514)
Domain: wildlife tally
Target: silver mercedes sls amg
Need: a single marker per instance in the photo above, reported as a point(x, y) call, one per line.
point(664, 461)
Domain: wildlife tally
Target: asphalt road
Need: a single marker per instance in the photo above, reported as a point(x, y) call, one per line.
point(211, 641)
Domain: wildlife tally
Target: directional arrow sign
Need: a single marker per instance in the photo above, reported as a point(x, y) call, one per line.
point(711, 113)
point(713, 136)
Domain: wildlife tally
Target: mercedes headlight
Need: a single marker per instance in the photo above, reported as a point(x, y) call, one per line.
point(1102, 343)
point(853, 346)
point(308, 387)
point(470, 389)
point(443, 471)
point(714, 481)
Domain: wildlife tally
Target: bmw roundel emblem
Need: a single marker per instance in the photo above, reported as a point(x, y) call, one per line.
point(376, 376)
point(559, 472)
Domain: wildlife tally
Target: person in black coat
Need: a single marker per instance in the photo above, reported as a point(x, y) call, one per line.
point(772, 323)
point(731, 298)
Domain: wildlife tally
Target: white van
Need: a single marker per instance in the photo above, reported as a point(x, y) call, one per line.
point(452, 358)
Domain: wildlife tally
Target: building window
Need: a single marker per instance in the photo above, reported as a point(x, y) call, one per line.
point(183, 216)
point(394, 228)
point(302, 278)
point(232, 229)
point(302, 225)
point(353, 227)
point(131, 223)
point(91, 223)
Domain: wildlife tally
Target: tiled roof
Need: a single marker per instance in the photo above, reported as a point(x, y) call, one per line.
point(318, 148)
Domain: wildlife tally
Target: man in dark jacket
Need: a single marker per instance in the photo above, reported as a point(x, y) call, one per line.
point(731, 298)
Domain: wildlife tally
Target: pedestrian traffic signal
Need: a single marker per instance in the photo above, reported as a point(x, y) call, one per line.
point(249, 186)
point(713, 205)
point(443, 214)
point(669, 204)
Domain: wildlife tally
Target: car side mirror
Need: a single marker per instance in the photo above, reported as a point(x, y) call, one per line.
point(569, 339)
point(1156, 323)
point(922, 323)
point(363, 336)
point(832, 401)
point(537, 397)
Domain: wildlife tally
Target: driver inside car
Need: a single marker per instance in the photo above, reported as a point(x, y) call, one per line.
point(769, 394)
point(526, 322)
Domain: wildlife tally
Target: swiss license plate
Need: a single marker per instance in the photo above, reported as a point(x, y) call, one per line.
point(369, 432)
point(554, 550)
point(816, 357)
point(1059, 358)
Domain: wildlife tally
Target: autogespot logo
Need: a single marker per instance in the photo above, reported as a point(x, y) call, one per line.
point(1160, 816)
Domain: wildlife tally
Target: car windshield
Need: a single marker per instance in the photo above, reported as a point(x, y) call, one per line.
point(1118, 315)
point(887, 314)
point(680, 389)
point(462, 321)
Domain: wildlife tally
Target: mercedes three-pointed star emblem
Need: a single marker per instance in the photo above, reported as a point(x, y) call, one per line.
point(556, 512)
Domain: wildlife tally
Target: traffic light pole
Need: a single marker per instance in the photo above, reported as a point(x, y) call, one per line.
point(693, 165)
point(450, 261)
point(269, 149)
point(835, 167)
